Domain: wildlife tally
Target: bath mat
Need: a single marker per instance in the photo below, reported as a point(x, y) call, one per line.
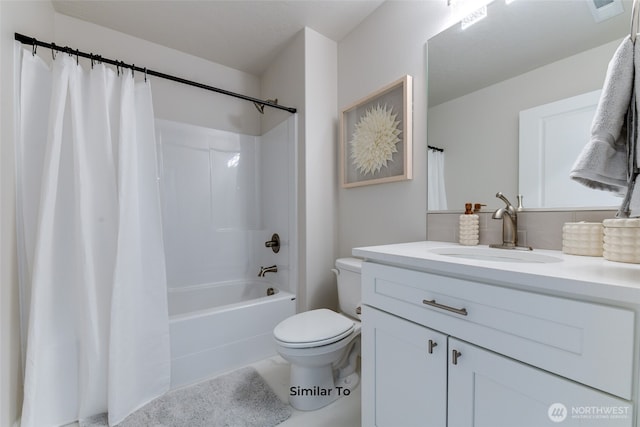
point(239, 399)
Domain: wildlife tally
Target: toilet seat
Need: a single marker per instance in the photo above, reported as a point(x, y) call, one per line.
point(313, 328)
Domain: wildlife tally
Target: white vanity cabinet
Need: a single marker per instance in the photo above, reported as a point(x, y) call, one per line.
point(414, 376)
point(440, 349)
point(486, 389)
point(404, 382)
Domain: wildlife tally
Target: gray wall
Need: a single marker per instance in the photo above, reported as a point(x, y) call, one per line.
point(386, 46)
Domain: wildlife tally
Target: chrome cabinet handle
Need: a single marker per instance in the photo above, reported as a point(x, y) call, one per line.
point(455, 355)
point(433, 303)
point(432, 344)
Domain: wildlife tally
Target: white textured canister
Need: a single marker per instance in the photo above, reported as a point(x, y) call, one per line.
point(622, 240)
point(583, 238)
point(469, 227)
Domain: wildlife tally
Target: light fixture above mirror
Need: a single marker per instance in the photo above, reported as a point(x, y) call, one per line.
point(468, 12)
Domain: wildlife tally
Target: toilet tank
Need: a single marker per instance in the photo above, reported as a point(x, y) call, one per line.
point(349, 291)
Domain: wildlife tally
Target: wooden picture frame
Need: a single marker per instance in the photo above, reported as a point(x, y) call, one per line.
point(376, 137)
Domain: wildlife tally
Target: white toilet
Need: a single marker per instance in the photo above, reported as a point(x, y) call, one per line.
point(323, 346)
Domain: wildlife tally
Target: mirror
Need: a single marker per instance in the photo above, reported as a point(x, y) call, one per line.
point(522, 55)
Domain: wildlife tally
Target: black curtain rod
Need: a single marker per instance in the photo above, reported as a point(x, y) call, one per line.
point(431, 147)
point(35, 42)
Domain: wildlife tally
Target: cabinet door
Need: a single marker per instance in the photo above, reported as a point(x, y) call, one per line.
point(404, 372)
point(490, 390)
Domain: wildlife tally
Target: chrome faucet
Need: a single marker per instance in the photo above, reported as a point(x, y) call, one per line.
point(509, 217)
point(265, 270)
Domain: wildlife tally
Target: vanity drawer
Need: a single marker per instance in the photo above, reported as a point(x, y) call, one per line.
point(589, 343)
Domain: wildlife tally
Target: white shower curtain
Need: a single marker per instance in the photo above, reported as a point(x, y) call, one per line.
point(92, 269)
point(436, 192)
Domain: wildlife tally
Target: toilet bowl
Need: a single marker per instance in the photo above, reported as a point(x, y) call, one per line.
point(322, 346)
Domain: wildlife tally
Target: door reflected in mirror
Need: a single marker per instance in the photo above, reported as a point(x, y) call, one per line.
point(551, 138)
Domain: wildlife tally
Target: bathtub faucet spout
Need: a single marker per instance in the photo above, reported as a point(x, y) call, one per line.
point(264, 270)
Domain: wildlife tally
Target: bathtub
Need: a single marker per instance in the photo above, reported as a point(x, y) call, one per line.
point(220, 327)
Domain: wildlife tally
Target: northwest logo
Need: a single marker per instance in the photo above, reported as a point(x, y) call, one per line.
point(557, 412)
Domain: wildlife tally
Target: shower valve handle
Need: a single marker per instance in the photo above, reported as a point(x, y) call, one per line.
point(274, 243)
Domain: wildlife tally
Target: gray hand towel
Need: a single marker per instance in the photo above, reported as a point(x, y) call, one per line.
point(631, 204)
point(633, 207)
point(602, 164)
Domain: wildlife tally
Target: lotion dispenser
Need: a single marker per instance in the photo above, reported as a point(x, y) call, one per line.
point(469, 233)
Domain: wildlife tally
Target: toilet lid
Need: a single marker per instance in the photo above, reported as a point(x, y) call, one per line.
point(313, 328)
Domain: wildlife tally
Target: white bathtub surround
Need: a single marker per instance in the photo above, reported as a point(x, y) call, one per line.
point(220, 327)
point(93, 286)
point(210, 202)
point(223, 195)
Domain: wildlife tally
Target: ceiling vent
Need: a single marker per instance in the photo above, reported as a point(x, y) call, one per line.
point(605, 9)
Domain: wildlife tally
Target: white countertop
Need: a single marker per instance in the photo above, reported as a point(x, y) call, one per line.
point(593, 277)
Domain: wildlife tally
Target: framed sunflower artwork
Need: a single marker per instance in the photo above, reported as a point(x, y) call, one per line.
point(375, 137)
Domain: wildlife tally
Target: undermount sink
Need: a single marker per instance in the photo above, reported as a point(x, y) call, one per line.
point(496, 255)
